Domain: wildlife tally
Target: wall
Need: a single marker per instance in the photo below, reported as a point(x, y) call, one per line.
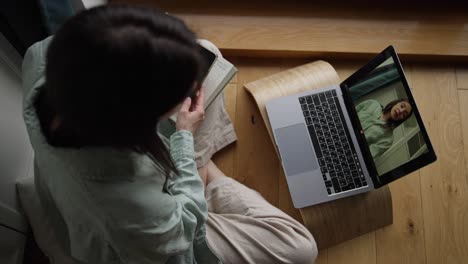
point(15, 154)
point(15, 151)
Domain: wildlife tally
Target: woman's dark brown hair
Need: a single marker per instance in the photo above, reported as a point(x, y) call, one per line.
point(112, 72)
point(394, 123)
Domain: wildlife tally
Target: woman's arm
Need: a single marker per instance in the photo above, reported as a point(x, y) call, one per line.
point(152, 224)
point(188, 184)
point(185, 208)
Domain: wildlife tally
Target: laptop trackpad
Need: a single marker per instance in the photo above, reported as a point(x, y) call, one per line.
point(296, 150)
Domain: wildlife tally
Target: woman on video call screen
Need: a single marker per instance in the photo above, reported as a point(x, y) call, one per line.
point(386, 117)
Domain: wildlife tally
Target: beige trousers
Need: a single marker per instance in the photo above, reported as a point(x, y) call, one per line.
point(243, 227)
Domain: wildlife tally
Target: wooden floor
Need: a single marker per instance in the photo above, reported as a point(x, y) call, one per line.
point(359, 28)
point(430, 206)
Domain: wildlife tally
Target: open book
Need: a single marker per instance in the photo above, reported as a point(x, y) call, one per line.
point(220, 72)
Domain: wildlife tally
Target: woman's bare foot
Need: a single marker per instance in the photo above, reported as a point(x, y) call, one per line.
point(213, 172)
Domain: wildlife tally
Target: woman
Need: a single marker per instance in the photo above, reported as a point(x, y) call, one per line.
point(378, 122)
point(115, 190)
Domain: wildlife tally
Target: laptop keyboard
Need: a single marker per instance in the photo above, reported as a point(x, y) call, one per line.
point(337, 157)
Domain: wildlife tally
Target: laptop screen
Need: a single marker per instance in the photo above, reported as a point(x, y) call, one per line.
point(387, 118)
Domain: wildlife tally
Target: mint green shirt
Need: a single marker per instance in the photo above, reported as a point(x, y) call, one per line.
point(116, 206)
point(378, 137)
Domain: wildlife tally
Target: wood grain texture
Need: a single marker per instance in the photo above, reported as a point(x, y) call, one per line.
point(462, 77)
point(364, 213)
point(302, 78)
point(322, 257)
point(407, 228)
point(256, 162)
point(429, 227)
point(408, 223)
point(429, 230)
point(356, 251)
point(305, 28)
point(444, 187)
point(463, 102)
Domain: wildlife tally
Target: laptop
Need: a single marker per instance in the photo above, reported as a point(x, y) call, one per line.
point(344, 140)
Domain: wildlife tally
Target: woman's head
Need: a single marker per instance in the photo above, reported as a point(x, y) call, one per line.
point(398, 112)
point(112, 72)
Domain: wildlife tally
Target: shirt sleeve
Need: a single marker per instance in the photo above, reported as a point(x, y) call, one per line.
point(360, 107)
point(187, 186)
point(368, 106)
point(380, 147)
point(34, 64)
point(151, 225)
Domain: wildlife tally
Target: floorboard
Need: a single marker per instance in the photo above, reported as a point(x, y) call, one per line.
point(408, 222)
point(463, 102)
point(430, 205)
point(299, 28)
point(357, 251)
point(462, 77)
point(443, 184)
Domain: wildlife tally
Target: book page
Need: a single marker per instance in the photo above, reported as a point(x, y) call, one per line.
point(213, 81)
point(220, 74)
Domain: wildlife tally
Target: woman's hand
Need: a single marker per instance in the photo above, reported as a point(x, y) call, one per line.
point(191, 113)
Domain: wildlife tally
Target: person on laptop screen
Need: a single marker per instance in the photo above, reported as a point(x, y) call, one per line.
point(350, 138)
point(386, 117)
point(378, 122)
